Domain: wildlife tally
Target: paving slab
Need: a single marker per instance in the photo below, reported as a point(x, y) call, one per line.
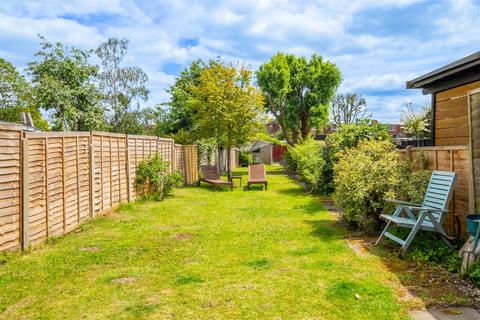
point(462, 313)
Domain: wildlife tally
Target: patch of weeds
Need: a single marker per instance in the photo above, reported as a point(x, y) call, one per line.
point(473, 273)
point(430, 248)
point(183, 280)
point(452, 299)
point(305, 251)
point(3, 259)
point(259, 264)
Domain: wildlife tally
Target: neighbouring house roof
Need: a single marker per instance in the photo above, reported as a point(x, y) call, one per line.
point(255, 145)
point(452, 75)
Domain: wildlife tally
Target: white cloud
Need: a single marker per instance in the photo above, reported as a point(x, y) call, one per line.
point(374, 61)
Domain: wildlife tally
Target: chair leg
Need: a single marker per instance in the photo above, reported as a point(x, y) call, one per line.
point(412, 234)
point(383, 233)
point(248, 186)
point(231, 187)
point(265, 186)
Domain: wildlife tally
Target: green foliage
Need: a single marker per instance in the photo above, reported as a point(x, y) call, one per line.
point(363, 178)
point(64, 82)
point(227, 106)
point(180, 114)
point(307, 158)
point(16, 97)
point(348, 136)
point(206, 147)
point(298, 91)
point(429, 248)
point(122, 86)
point(154, 175)
point(412, 183)
point(416, 124)
point(245, 158)
point(474, 273)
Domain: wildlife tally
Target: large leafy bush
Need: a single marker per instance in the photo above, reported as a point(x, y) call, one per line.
point(307, 161)
point(245, 158)
point(363, 178)
point(153, 175)
point(345, 137)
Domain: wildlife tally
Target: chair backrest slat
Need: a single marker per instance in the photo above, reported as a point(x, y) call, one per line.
point(257, 171)
point(209, 172)
point(439, 192)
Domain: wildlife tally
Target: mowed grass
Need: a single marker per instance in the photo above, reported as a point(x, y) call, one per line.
point(202, 254)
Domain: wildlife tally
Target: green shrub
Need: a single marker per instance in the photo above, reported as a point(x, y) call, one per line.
point(363, 177)
point(308, 161)
point(412, 183)
point(154, 176)
point(474, 273)
point(345, 137)
point(245, 158)
point(429, 248)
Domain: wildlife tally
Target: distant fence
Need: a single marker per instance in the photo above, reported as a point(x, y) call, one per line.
point(51, 182)
point(448, 158)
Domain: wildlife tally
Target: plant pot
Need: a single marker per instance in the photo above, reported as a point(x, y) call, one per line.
point(472, 223)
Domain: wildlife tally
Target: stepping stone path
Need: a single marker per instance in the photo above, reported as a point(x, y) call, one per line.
point(358, 245)
point(446, 314)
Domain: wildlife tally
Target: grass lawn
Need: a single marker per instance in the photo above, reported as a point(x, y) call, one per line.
point(200, 254)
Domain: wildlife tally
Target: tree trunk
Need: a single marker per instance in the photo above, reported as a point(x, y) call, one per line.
point(229, 167)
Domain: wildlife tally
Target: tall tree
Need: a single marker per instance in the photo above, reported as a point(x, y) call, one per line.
point(349, 108)
point(226, 105)
point(122, 86)
point(16, 96)
point(298, 91)
point(415, 124)
point(64, 83)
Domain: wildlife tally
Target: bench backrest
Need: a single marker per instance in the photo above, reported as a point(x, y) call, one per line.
point(209, 172)
point(257, 172)
point(439, 192)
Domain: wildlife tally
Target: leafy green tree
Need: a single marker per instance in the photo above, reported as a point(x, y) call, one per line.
point(225, 105)
point(122, 86)
point(415, 124)
point(349, 108)
point(63, 82)
point(179, 119)
point(16, 97)
point(298, 91)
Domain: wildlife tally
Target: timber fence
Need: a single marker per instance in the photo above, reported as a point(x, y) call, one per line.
point(448, 158)
point(50, 182)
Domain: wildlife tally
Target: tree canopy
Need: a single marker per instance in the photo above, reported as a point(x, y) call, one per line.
point(63, 82)
point(16, 97)
point(298, 91)
point(225, 105)
point(349, 108)
point(122, 86)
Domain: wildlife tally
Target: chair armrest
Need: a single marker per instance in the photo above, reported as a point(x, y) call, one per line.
point(420, 208)
point(403, 202)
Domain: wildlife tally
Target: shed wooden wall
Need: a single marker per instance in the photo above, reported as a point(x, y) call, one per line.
point(451, 115)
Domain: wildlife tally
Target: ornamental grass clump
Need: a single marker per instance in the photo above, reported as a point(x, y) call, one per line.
point(154, 176)
point(363, 178)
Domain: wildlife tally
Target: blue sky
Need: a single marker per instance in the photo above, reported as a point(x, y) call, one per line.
point(378, 45)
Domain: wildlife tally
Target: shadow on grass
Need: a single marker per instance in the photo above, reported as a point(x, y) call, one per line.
point(326, 230)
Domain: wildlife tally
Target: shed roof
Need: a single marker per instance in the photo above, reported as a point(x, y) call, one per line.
point(452, 75)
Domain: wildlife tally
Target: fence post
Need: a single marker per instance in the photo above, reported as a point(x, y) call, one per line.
point(408, 152)
point(25, 192)
point(127, 150)
point(92, 176)
point(185, 165)
point(47, 214)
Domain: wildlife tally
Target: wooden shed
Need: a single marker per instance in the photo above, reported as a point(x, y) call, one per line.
point(455, 91)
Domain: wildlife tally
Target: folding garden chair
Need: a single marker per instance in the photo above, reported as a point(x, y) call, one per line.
point(430, 214)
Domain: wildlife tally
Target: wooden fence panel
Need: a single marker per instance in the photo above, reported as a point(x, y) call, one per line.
point(51, 182)
point(10, 182)
point(448, 158)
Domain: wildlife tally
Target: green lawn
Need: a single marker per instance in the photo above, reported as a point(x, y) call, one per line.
point(202, 254)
